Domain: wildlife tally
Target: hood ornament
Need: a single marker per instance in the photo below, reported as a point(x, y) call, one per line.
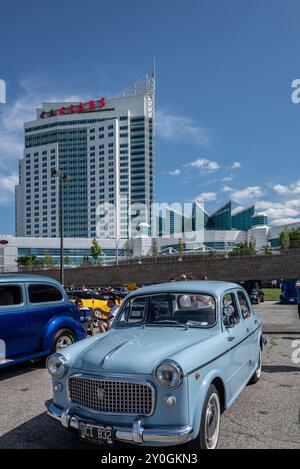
point(100, 394)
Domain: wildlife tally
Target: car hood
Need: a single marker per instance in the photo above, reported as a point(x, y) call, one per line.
point(137, 349)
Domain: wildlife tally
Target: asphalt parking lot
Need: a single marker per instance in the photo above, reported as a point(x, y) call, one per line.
point(266, 415)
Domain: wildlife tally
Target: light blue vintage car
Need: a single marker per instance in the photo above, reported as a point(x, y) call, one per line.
point(177, 355)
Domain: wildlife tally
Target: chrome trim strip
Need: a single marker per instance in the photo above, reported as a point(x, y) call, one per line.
point(224, 353)
point(111, 378)
point(107, 357)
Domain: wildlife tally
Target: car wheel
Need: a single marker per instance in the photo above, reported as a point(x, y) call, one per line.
point(257, 374)
point(62, 339)
point(210, 422)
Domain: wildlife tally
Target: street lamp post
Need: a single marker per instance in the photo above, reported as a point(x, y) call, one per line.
point(63, 177)
point(117, 250)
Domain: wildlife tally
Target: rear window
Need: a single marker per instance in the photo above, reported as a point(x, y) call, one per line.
point(244, 305)
point(10, 295)
point(44, 293)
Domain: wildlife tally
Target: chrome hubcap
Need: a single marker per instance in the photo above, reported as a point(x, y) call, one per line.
point(212, 422)
point(63, 342)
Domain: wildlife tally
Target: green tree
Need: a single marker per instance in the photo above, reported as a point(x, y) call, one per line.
point(85, 261)
point(180, 248)
point(96, 251)
point(244, 249)
point(67, 260)
point(295, 238)
point(28, 261)
point(266, 249)
point(252, 246)
point(128, 251)
point(154, 248)
point(295, 234)
point(284, 239)
point(48, 260)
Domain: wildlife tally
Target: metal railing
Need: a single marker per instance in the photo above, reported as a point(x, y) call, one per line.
point(144, 260)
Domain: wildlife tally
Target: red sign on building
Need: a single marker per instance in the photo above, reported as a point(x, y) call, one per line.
point(90, 106)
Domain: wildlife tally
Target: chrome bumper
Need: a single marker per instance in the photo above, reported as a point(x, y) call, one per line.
point(136, 434)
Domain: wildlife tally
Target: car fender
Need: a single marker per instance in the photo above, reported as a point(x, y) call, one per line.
point(260, 340)
point(202, 390)
point(61, 322)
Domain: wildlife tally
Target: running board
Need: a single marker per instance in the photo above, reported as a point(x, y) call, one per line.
point(6, 362)
point(24, 358)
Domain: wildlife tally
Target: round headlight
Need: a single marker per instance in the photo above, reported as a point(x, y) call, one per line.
point(57, 365)
point(169, 374)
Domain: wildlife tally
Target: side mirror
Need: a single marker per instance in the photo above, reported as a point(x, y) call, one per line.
point(228, 314)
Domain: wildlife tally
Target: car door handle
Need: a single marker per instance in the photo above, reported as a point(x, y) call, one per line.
point(230, 338)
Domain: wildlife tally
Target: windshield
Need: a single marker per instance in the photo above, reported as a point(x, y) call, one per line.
point(176, 309)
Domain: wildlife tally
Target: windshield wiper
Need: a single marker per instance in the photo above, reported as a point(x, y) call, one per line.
point(169, 321)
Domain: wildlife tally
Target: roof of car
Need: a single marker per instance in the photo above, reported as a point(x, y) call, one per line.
point(26, 278)
point(208, 286)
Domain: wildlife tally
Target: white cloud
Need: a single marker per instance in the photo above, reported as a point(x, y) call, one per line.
point(237, 210)
point(280, 189)
point(180, 128)
point(236, 165)
point(12, 117)
point(227, 189)
point(247, 195)
point(228, 178)
point(204, 164)
point(7, 187)
point(284, 221)
point(174, 172)
point(206, 197)
point(293, 188)
point(279, 210)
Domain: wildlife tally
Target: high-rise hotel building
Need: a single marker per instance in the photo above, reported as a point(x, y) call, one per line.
point(107, 149)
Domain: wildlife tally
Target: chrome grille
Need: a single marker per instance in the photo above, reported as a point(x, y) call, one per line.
point(110, 396)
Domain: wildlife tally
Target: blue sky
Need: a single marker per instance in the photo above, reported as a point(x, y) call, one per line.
point(226, 124)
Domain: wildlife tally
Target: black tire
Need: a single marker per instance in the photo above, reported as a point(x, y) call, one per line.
point(257, 374)
point(211, 414)
point(62, 339)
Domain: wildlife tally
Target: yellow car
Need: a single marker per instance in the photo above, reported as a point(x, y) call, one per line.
point(94, 301)
point(131, 286)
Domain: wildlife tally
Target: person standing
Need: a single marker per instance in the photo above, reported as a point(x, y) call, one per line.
point(274, 283)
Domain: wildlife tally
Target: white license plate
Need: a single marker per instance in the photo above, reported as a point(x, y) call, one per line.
point(95, 433)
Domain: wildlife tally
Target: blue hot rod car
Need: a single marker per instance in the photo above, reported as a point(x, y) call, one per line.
point(176, 357)
point(36, 318)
